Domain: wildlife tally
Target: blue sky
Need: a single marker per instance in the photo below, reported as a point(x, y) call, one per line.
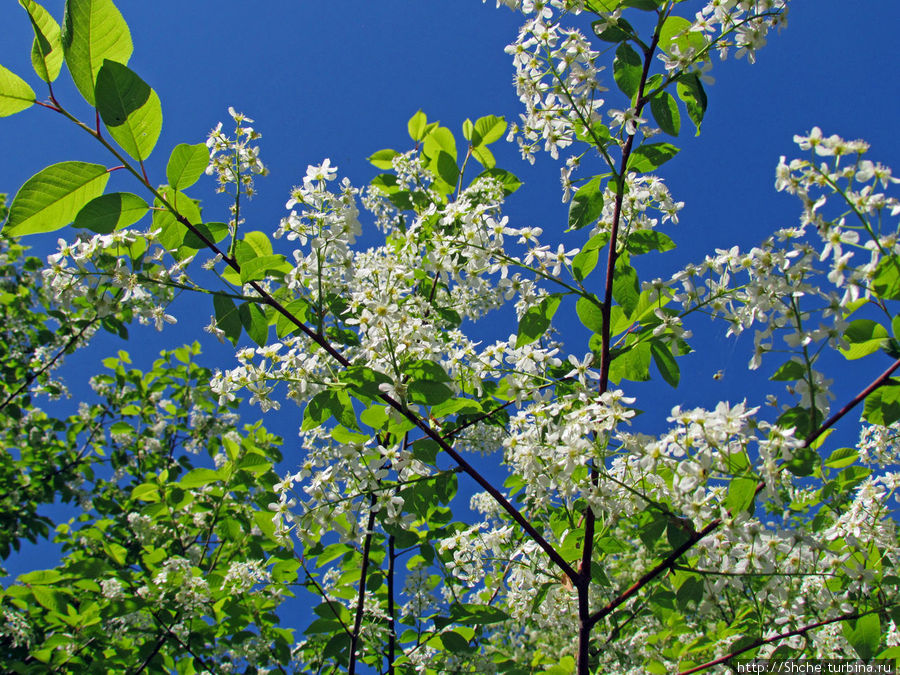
point(339, 79)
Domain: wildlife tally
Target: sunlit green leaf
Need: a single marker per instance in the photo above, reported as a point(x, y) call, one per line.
point(186, 164)
point(111, 211)
point(488, 129)
point(130, 109)
point(417, 126)
point(587, 204)
point(865, 337)
point(536, 320)
point(46, 50)
point(15, 94)
point(627, 69)
point(52, 198)
point(92, 31)
point(665, 112)
point(690, 91)
point(651, 156)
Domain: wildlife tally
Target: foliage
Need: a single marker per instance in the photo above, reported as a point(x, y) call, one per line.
point(739, 531)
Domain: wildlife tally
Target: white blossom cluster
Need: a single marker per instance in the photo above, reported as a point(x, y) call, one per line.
point(234, 160)
point(556, 80)
point(646, 204)
point(77, 275)
point(557, 74)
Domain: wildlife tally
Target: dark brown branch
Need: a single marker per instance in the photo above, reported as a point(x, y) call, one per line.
point(159, 643)
point(361, 597)
point(392, 621)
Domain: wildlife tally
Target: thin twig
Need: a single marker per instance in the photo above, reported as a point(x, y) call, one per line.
point(47, 366)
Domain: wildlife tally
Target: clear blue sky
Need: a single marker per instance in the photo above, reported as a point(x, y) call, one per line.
point(339, 79)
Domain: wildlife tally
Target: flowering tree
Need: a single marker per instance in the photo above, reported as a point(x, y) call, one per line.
point(739, 531)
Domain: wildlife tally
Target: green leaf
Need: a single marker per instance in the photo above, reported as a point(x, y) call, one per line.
point(883, 405)
point(586, 259)
point(612, 31)
point(214, 232)
point(417, 126)
point(798, 418)
point(590, 315)
point(651, 156)
point(440, 138)
point(627, 69)
point(741, 494)
point(632, 364)
point(587, 204)
point(146, 492)
point(382, 159)
point(426, 450)
point(484, 156)
point(865, 337)
point(130, 109)
point(446, 168)
point(644, 241)
point(15, 94)
point(646, 5)
point(93, 31)
point(428, 392)
point(261, 266)
point(110, 212)
point(173, 232)
point(199, 477)
point(471, 615)
point(254, 322)
point(676, 31)
point(584, 263)
point(423, 369)
point(254, 243)
point(327, 404)
point(116, 552)
point(227, 317)
point(46, 50)
point(864, 635)
point(52, 198)
point(42, 577)
point(461, 406)
point(789, 371)
point(488, 129)
point(468, 129)
point(626, 287)
point(186, 164)
point(842, 457)
point(49, 598)
point(665, 362)
point(536, 320)
point(665, 112)
point(508, 180)
point(566, 666)
point(886, 283)
point(690, 91)
point(285, 326)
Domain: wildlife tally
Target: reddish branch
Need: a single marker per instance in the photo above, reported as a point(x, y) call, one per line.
point(585, 620)
point(666, 564)
point(775, 638)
